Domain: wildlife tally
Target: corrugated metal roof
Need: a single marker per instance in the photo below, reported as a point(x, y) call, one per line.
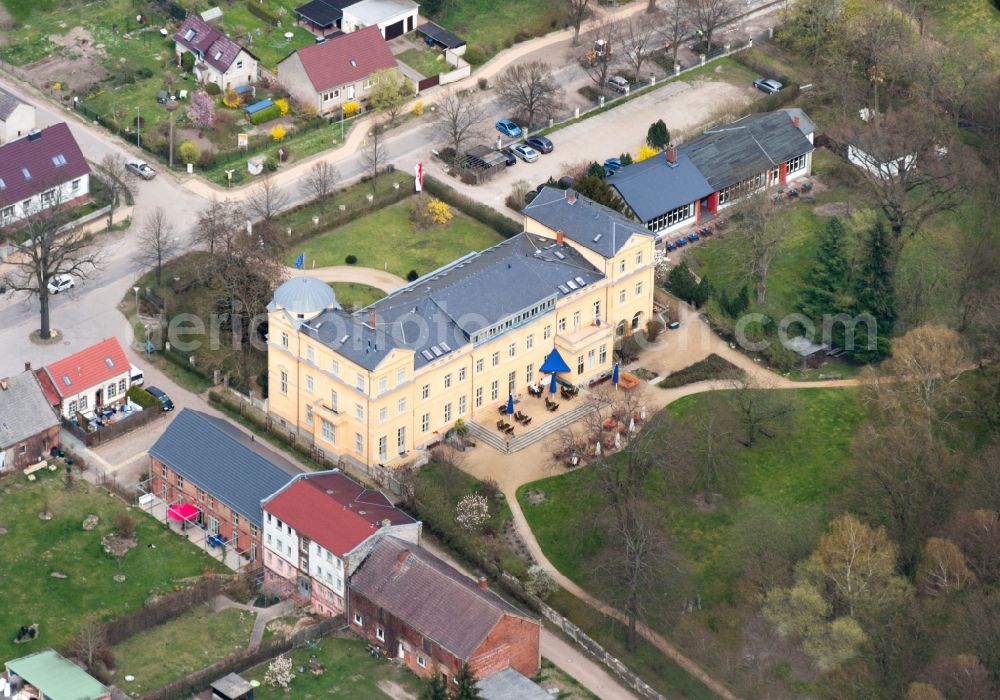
point(430, 596)
point(508, 684)
point(202, 449)
point(58, 678)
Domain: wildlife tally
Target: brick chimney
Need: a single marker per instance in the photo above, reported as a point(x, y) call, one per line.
point(571, 196)
point(483, 583)
point(371, 319)
point(402, 556)
point(671, 154)
point(560, 237)
point(795, 121)
point(27, 366)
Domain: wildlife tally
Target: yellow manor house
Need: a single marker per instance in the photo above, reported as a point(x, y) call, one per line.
point(376, 384)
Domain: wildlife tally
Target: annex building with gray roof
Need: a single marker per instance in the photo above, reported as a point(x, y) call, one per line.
point(688, 184)
point(28, 425)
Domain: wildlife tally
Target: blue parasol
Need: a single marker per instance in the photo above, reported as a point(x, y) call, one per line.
point(615, 375)
point(554, 363)
point(510, 405)
point(552, 385)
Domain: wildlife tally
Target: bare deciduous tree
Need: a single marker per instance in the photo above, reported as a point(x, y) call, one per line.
point(600, 66)
point(639, 40)
point(375, 154)
point(460, 116)
point(217, 224)
point(530, 91)
point(674, 27)
point(45, 252)
point(157, 242)
point(759, 410)
point(320, 182)
point(762, 228)
point(709, 15)
point(576, 11)
point(116, 178)
point(266, 199)
point(90, 644)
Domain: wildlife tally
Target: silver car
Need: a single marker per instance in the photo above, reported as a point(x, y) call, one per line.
point(525, 153)
point(140, 168)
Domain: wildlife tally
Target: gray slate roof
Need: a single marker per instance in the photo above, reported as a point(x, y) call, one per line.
point(444, 308)
point(24, 410)
point(430, 596)
point(8, 103)
point(222, 461)
point(508, 684)
point(583, 220)
point(733, 152)
point(653, 186)
point(721, 156)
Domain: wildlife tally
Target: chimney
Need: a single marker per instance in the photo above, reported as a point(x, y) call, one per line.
point(386, 522)
point(402, 556)
point(795, 121)
point(571, 196)
point(671, 154)
point(483, 583)
point(3, 384)
point(371, 319)
point(560, 237)
point(34, 134)
point(27, 366)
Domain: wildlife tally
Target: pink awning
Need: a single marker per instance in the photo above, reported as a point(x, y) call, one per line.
point(182, 512)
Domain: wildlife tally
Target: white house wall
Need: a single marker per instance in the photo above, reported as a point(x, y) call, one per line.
point(91, 394)
point(282, 541)
point(25, 208)
point(18, 124)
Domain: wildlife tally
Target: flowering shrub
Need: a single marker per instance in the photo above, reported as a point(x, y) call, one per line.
point(644, 153)
point(351, 108)
point(418, 108)
point(278, 132)
point(472, 512)
point(279, 673)
point(439, 212)
point(230, 98)
point(282, 105)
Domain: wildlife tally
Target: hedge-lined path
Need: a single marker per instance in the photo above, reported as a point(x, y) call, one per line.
point(380, 279)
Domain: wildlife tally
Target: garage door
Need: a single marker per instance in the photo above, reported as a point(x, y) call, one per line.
point(394, 30)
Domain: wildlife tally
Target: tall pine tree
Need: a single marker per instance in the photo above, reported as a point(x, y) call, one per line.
point(434, 688)
point(875, 297)
point(827, 289)
point(465, 681)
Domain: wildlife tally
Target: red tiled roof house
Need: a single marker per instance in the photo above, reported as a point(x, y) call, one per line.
point(41, 170)
point(318, 529)
point(218, 59)
point(94, 377)
point(420, 610)
point(337, 71)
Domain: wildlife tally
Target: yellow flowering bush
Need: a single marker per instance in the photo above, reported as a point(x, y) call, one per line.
point(230, 98)
point(282, 105)
point(645, 152)
point(351, 108)
point(278, 132)
point(418, 108)
point(439, 212)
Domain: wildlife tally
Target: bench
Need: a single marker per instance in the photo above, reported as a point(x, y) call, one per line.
point(36, 468)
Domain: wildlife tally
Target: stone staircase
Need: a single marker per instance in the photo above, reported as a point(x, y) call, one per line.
point(523, 439)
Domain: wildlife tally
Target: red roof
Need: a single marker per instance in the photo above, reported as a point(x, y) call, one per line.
point(38, 162)
point(48, 388)
point(334, 510)
point(208, 43)
point(346, 58)
point(87, 368)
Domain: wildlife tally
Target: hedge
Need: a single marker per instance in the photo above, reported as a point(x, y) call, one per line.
point(141, 397)
point(262, 12)
point(488, 216)
point(265, 115)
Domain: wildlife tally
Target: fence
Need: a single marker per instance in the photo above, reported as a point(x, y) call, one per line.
point(237, 663)
point(116, 429)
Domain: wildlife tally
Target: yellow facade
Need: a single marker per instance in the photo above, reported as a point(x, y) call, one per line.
point(378, 416)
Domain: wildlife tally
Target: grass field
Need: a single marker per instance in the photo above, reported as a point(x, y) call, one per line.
point(388, 239)
point(426, 61)
point(978, 20)
point(802, 468)
point(34, 548)
point(349, 672)
point(489, 26)
point(181, 646)
point(356, 295)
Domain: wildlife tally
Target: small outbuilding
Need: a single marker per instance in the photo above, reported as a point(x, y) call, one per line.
point(811, 353)
point(46, 674)
point(232, 687)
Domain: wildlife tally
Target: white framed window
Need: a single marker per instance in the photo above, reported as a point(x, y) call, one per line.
point(621, 266)
point(359, 382)
point(284, 340)
point(796, 164)
point(546, 332)
point(121, 386)
point(333, 400)
point(359, 412)
point(512, 350)
point(72, 410)
point(494, 390)
point(335, 368)
point(479, 397)
point(309, 384)
point(425, 391)
point(480, 365)
point(461, 374)
point(447, 413)
point(359, 443)
point(400, 376)
point(111, 390)
point(604, 354)
point(75, 185)
point(447, 381)
point(579, 364)
point(401, 405)
point(576, 320)
point(529, 342)
point(561, 324)
point(311, 354)
point(83, 402)
point(239, 64)
point(358, 620)
point(461, 405)
point(621, 296)
point(309, 415)
point(383, 414)
point(283, 382)
point(425, 423)
point(383, 448)
point(638, 289)
point(638, 259)
point(591, 357)
point(496, 359)
point(421, 661)
point(329, 432)
point(529, 373)
point(380, 634)
point(383, 384)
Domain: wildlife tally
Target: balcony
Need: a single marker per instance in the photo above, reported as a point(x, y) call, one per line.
point(585, 334)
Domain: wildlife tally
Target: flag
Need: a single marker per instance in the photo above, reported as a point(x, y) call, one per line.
point(300, 261)
point(418, 182)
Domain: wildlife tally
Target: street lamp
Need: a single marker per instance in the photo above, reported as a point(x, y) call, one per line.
point(171, 107)
point(138, 125)
point(136, 290)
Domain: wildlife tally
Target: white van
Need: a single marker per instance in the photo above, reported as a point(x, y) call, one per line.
point(135, 376)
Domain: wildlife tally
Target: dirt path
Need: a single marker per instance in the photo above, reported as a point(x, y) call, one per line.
point(386, 281)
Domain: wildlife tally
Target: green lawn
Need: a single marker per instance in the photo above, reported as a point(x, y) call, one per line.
point(489, 26)
point(181, 646)
point(428, 62)
point(976, 20)
point(804, 467)
point(33, 549)
point(349, 672)
point(356, 295)
point(388, 239)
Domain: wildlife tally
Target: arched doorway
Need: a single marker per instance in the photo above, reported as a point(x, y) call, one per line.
point(636, 320)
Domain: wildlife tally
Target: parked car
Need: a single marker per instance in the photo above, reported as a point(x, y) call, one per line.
point(140, 168)
point(525, 153)
point(60, 283)
point(612, 166)
point(508, 156)
point(768, 85)
point(618, 83)
point(681, 242)
point(693, 237)
point(540, 143)
point(508, 128)
point(674, 325)
point(135, 376)
point(161, 396)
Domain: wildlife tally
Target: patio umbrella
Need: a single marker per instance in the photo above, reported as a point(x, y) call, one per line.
point(554, 363)
point(597, 449)
point(182, 512)
point(615, 375)
point(618, 439)
point(510, 405)
point(631, 425)
point(552, 384)
point(642, 413)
